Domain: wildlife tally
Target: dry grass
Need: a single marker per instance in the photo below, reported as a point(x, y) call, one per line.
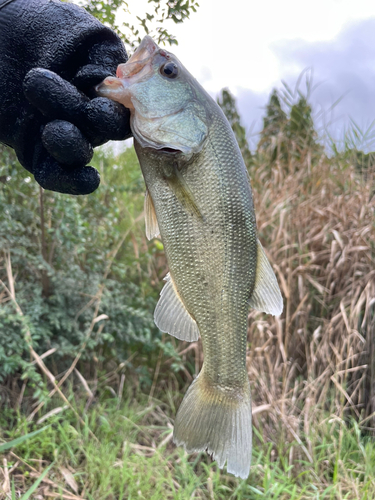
point(317, 225)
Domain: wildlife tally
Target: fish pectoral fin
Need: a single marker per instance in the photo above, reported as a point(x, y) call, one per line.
point(152, 227)
point(266, 296)
point(184, 195)
point(171, 315)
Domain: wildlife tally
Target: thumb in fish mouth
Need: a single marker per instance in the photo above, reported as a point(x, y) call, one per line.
point(112, 88)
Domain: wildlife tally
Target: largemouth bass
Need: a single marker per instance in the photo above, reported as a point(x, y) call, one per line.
point(199, 198)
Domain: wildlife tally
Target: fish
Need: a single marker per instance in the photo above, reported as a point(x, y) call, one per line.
point(199, 201)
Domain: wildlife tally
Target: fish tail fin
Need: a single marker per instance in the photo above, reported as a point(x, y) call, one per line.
point(219, 421)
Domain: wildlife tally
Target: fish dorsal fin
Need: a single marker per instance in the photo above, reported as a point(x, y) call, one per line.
point(171, 316)
point(152, 227)
point(266, 296)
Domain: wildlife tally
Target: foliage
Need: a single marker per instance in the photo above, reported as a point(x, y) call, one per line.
point(22, 439)
point(363, 162)
point(133, 457)
point(227, 102)
point(288, 133)
point(356, 142)
point(274, 125)
point(153, 22)
point(286, 136)
point(301, 124)
point(74, 259)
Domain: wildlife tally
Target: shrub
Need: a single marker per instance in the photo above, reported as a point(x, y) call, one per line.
point(74, 259)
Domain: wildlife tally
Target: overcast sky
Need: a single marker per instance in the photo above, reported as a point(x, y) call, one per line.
point(251, 47)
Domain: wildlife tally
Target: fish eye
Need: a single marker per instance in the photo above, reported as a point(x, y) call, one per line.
point(169, 69)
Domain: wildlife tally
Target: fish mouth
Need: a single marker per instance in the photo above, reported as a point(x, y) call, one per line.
point(110, 87)
point(138, 67)
point(141, 57)
point(169, 150)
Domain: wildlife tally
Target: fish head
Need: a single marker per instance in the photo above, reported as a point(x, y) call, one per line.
point(168, 106)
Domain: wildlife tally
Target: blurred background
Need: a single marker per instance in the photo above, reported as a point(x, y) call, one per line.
point(89, 387)
point(252, 48)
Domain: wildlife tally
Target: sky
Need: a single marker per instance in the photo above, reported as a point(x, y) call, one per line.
point(252, 47)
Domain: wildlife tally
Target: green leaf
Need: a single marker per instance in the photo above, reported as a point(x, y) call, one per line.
point(36, 484)
point(16, 442)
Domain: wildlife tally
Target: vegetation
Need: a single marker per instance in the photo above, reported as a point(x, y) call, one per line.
point(82, 361)
point(80, 268)
point(89, 387)
point(153, 22)
point(227, 102)
point(133, 457)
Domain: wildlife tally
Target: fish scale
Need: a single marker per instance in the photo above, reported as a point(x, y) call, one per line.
point(223, 259)
point(199, 199)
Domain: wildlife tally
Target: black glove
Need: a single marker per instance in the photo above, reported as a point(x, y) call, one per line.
point(52, 54)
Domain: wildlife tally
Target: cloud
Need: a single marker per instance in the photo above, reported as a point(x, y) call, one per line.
point(343, 67)
point(343, 77)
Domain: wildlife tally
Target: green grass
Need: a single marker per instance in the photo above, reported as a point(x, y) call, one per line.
point(128, 460)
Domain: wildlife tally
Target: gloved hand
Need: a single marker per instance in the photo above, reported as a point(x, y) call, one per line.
point(51, 56)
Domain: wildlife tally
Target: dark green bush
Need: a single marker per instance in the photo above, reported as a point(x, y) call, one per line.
point(61, 249)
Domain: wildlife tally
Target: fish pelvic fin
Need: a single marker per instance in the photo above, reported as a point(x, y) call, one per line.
point(217, 420)
point(171, 315)
point(266, 296)
point(152, 227)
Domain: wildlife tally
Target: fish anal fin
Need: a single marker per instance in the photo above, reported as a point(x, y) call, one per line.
point(152, 227)
point(266, 296)
point(171, 315)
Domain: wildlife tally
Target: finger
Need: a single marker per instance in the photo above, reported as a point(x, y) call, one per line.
point(102, 61)
point(54, 96)
point(66, 143)
point(100, 120)
point(79, 181)
point(106, 120)
point(89, 76)
point(53, 176)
